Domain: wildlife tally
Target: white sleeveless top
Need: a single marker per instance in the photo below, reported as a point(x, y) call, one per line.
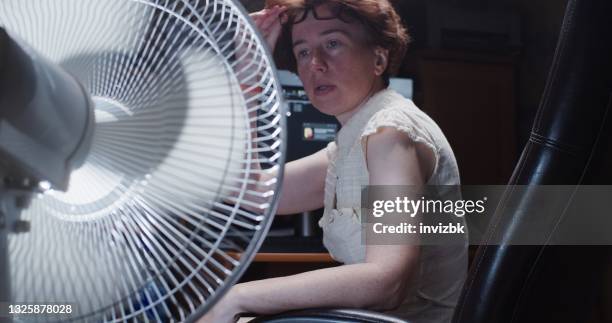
point(435, 287)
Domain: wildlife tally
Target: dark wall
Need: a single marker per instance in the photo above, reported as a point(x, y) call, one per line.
point(252, 5)
point(540, 24)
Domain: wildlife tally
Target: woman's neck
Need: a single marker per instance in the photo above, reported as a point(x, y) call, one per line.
point(377, 86)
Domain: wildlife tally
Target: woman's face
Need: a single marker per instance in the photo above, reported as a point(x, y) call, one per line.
point(335, 63)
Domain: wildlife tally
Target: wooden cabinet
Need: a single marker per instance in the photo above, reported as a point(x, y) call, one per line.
point(472, 98)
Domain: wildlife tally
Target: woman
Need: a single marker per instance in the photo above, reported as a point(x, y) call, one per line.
point(344, 52)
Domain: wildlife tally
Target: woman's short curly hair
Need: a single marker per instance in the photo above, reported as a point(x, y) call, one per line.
point(384, 26)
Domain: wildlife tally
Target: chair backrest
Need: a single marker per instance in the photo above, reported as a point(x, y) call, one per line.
point(543, 283)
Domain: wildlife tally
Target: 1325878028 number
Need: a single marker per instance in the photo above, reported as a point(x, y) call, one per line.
point(26, 309)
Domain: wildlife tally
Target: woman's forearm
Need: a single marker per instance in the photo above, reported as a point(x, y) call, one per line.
point(365, 286)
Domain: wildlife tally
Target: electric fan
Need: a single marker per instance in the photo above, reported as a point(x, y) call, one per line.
point(132, 134)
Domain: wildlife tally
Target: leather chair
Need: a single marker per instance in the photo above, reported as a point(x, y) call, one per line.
point(569, 145)
point(570, 138)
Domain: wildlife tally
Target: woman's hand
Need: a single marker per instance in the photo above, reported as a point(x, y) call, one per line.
point(268, 23)
point(227, 310)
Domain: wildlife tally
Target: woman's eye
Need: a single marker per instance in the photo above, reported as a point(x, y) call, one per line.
point(333, 44)
point(302, 53)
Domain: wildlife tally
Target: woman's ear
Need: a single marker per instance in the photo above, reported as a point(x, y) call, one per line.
point(381, 62)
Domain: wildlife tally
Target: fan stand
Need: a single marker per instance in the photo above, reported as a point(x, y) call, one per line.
point(11, 203)
point(7, 218)
point(5, 291)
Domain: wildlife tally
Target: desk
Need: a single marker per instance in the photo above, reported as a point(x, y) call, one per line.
point(283, 256)
point(304, 257)
point(294, 257)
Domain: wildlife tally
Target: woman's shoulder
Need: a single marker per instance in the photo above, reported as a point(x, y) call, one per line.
point(404, 116)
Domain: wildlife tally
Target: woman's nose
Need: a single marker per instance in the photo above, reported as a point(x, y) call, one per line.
point(318, 62)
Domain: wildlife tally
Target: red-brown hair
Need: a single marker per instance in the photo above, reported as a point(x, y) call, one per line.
point(382, 22)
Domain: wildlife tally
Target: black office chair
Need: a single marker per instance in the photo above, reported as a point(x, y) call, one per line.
point(569, 145)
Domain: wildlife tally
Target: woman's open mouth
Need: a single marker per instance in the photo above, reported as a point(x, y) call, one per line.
point(324, 89)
